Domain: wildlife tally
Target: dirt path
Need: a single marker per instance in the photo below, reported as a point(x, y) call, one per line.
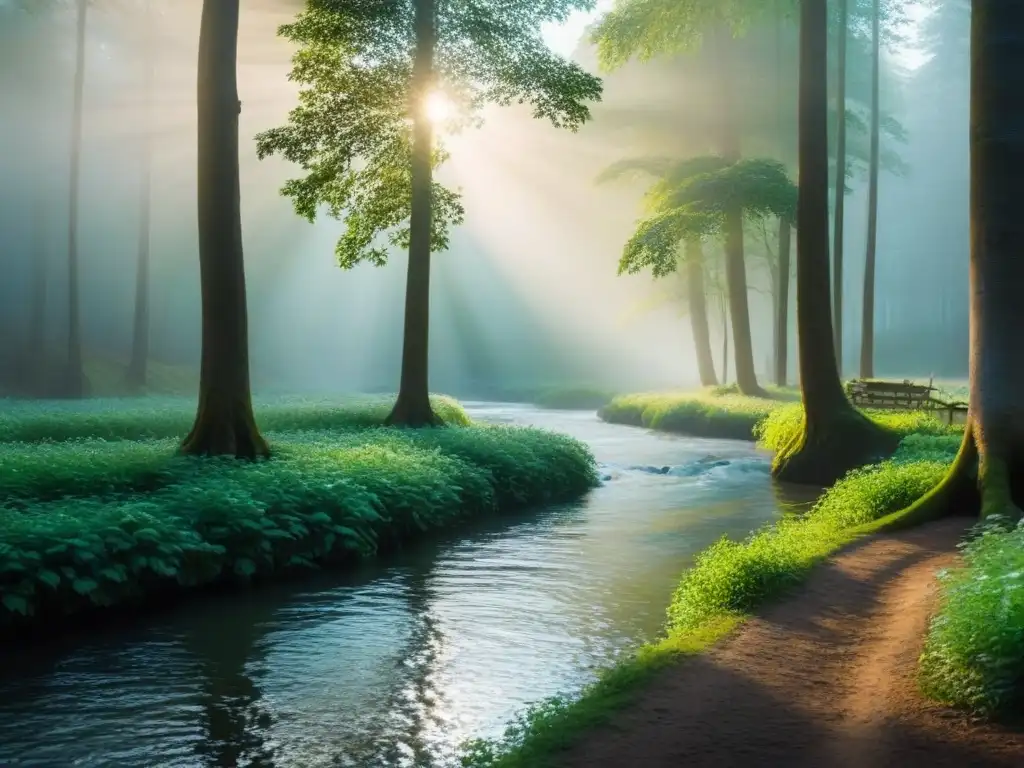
point(820, 680)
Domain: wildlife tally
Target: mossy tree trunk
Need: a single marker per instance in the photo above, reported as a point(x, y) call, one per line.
point(697, 299)
point(837, 243)
point(73, 383)
point(782, 304)
point(412, 408)
point(988, 474)
point(136, 373)
point(836, 437)
point(867, 329)
point(224, 424)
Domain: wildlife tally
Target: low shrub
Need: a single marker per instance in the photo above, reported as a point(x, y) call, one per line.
point(727, 581)
point(153, 418)
point(95, 523)
point(974, 651)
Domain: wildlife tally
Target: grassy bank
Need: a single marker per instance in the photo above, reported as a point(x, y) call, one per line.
point(160, 417)
point(722, 413)
point(108, 520)
point(728, 581)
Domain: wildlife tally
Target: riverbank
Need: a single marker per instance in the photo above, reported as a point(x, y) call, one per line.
point(826, 677)
point(99, 511)
point(720, 412)
point(729, 582)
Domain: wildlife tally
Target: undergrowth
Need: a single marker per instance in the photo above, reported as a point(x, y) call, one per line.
point(159, 417)
point(974, 651)
point(573, 398)
point(728, 581)
point(94, 522)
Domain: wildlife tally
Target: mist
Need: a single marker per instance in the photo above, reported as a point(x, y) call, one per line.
point(528, 293)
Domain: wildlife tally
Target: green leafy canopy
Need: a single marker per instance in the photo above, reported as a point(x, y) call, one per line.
point(689, 199)
point(351, 132)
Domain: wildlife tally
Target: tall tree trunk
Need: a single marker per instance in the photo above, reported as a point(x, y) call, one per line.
point(867, 329)
point(782, 304)
point(74, 384)
point(697, 298)
point(835, 436)
point(837, 244)
point(724, 307)
point(994, 436)
point(735, 266)
point(412, 408)
point(136, 373)
point(37, 352)
point(224, 422)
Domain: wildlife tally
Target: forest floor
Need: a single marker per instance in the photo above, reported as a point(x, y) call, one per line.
point(826, 677)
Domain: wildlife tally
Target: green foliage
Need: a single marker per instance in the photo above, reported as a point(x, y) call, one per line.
point(573, 398)
point(728, 580)
point(150, 418)
point(783, 425)
point(690, 199)
point(974, 652)
point(122, 520)
point(351, 132)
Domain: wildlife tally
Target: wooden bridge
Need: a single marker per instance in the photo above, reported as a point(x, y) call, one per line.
point(901, 396)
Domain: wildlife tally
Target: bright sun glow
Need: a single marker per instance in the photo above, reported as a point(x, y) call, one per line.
point(439, 108)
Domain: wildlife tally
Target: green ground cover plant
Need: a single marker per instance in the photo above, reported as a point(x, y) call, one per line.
point(101, 522)
point(973, 655)
point(726, 582)
point(158, 417)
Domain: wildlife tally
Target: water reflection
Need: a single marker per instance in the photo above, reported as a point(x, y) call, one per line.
point(396, 664)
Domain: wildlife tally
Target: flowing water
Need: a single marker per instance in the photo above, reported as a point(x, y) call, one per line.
point(395, 664)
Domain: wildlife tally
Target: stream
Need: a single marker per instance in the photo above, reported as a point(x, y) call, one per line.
point(395, 664)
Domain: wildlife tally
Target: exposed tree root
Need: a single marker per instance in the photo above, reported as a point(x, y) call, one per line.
point(413, 411)
point(227, 430)
point(982, 483)
point(826, 450)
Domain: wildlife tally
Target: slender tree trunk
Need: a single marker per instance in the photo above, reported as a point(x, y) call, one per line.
point(994, 436)
point(724, 307)
point(412, 408)
point(136, 373)
point(37, 353)
point(837, 244)
point(782, 304)
point(836, 437)
point(735, 266)
point(224, 422)
point(867, 331)
point(697, 299)
point(74, 384)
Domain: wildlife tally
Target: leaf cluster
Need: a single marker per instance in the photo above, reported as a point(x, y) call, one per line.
point(351, 132)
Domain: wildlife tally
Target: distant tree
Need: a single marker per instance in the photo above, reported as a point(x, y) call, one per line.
point(693, 200)
point(136, 373)
point(649, 28)
point(835, 436)
point(988, 472)
point(73, 383)
point(867, 332)
point(363, 130)
point(224, 424)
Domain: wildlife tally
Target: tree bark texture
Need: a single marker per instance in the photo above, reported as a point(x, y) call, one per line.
point(412, 408)
point(782, 304)
point(224, 422)
point(840, 195)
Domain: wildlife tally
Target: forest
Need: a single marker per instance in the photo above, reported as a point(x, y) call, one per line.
point(511, 383)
